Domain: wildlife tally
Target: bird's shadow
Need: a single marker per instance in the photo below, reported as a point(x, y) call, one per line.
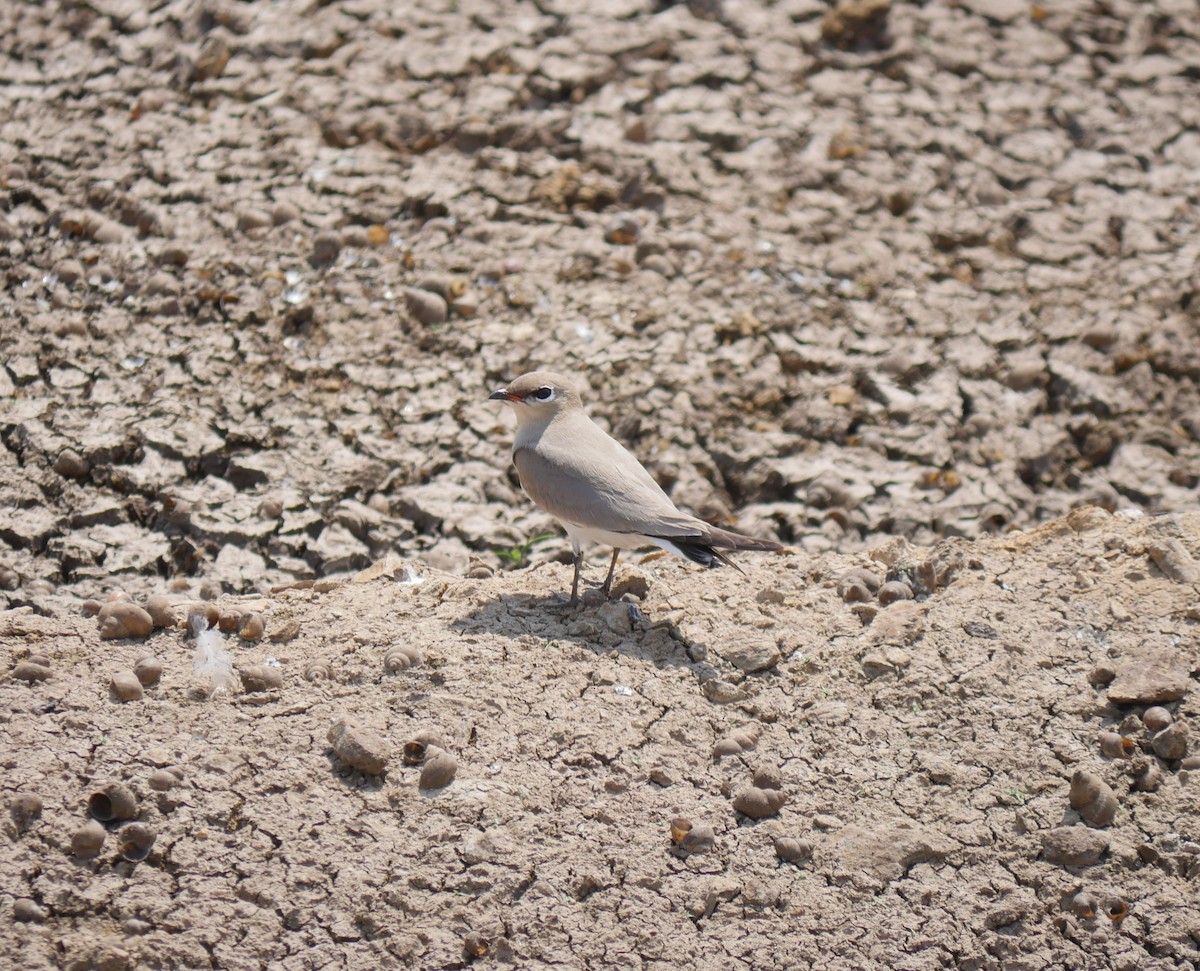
point(596, 624)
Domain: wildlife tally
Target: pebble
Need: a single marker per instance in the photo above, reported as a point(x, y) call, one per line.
point(9, 578)
point(1170, 743)
point(326, 246)
point(252, 220)
point(211, 590)
point(27, 911)
point(71, 465)
point(359, 748)
point(125, 686)
point(893, 591)
point(69, 271)
point(284, 212)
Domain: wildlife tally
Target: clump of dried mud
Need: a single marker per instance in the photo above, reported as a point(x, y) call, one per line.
point(884, 281)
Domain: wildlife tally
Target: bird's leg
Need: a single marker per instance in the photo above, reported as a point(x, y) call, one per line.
point(607, 588)
point(575, 582)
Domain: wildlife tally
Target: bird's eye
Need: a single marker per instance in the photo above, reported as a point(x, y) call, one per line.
point(544, 394)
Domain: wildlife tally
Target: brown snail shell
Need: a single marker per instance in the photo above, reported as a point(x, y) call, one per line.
point(202, 616)
point(261, 677)
point(317, 671)
point(113, 801)
point(1116, 909)
point(39, 659)
point(1083, 905)
point(759, 803)
point(162, 614)
point(475, 945)
point(680, 827)
point(893, 591)
point(792, 850)
point(726, 746)
point(125, 686)
point(229, 621)
point(416, 749)
point(88, 840)
point(24, 808)
point(1116, 746)
point(1191, 763)
point(124, 619)
point(30, 671)
point(1150, 778)
point(691, 837)
point(1156, 718)
point(137, 839)
point(27, 911)
point(439, 769)
point(735, 743)
point(90, 608)
point(148, 670)
point(401, 658)
point(1093, 798)
point(359, 748)
point(252, 627)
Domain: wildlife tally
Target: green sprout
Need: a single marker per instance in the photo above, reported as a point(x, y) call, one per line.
point(516, 556)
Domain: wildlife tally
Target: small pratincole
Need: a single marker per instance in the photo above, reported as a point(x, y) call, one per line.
point(595, 487)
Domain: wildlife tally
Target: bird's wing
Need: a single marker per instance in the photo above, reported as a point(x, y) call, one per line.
point(593, 481)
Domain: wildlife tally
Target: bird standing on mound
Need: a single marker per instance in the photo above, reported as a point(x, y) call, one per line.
point(595, 487)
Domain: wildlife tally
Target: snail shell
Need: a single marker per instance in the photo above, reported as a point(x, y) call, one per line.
point(439, 769)
point(726, 746)
point(261, 677)
point(768, 777)
point(316, 671)
point(125, 686)
point(1116, 746)
point(680, 827)
point(148, 670)
point(1093, 798)
point(401, 658)
point(228, 621)
point(252, 627)
point(1156, 718)
point(894, 590)
point(359, 748)
point(735, 743)
point(162, 614)
point(1083, 905)
point(759, 803)
point(475, 945)
point(203, 616)
point(31, 671)
point(39, 659)
point(137, 839)
point(113, 801)
point(1150, 778)
point(792, 850)
point(124, 619)
point(416, 749)
point(1116, 909)
point(692, 837)
point(88, 840)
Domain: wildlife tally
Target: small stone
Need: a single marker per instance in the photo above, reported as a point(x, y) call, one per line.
point(284, 212)
point(10, 579)
point(252, 220)
point(211, 590)
point(1170, 743)
point(125, 686)
point(326, 247)
point(26, 911)
point(71, 465)
point(1075, 846)
point(748, 656)
point(359, 748)
point(1101, 675)
point(662, 777)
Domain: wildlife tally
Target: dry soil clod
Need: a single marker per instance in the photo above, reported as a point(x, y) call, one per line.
point(439, 769)
point(111, 802)
point(401, 657)
point(317, 671)
point(792, 850)
point(148, 670)
point(125, 686)
point(24, 808)
point(88, 840)
point(1093, 798)
point(137, 839)
point(124, 619)
point(261, 677)
point(759, 803)
point(359, 748)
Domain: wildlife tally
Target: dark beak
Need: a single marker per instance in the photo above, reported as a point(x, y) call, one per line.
point(503, 394)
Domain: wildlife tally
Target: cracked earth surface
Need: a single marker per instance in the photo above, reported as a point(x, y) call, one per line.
point(903, 285)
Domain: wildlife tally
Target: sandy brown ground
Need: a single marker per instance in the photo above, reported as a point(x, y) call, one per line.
point(853, 278)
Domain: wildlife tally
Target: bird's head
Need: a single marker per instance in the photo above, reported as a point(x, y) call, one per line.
point(538, 394)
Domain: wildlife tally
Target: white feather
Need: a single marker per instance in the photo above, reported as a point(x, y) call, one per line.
point(210, 662)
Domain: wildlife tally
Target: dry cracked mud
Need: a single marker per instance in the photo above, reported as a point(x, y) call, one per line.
point(912, 288)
